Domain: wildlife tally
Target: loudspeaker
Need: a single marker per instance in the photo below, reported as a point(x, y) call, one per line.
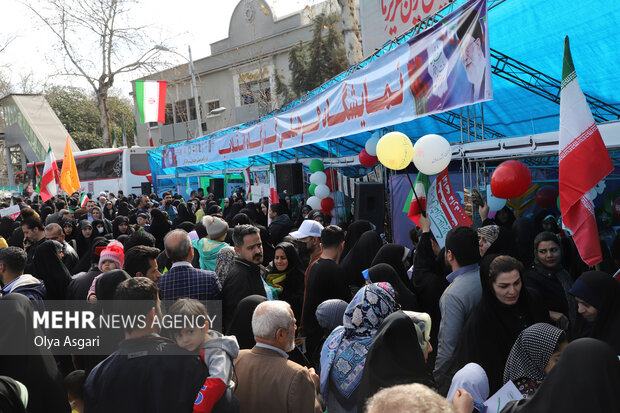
point(147, 188)
point(216, 187)
point(370, 203)
point(289, 178)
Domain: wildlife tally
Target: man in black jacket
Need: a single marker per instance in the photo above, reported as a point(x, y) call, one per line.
point(244, 278)
point(281, 223)
point(69, 257)
point(136, 378)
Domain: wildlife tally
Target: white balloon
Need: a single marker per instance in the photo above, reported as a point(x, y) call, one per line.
point(371, 144)
point(495, 204)
point(321, 191)
point(318, 178)
point(314, 202)
point(432, 154)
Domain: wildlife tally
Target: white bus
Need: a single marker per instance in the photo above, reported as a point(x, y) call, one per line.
point(106, 169)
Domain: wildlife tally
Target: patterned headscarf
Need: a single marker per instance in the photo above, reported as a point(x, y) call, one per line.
point(344, 353)
point(422, 321)
point(490, 233)
point(531, 352)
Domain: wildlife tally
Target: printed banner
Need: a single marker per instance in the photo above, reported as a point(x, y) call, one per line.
point(12, 211)
point(445, 67)
point(444, 208)
point(382, 20)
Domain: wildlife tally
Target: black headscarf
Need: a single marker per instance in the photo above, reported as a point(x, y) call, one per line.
point(66, 222)
point(105, 287)
point(360, 257)
point(385, 273)
point(250, 212)
point(293, 285)
point(10, 396)
point(524, 233)
point(109, 214)
point(394, 357)
point(83, 244)
point(393, 254)
point(184, 215)
point(354, 232)
point(585, 379)
point(602, 291)
point(51, 270)
point(122, 208)
point(117, 221)
point(233, 210)
point(492, 328)
point(268, 249)
point(37, 370)
point(241, 323)
point(160, 226)
point(186, 226)
point(6, 227)
point(107, 228)
point(240, 219)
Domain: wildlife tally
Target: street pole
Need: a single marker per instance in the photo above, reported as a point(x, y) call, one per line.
point(195, 92)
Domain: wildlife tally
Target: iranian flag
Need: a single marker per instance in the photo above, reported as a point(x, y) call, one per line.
point(584, 162)
point(273, 194)
point(414, 206)
point(48, 181)
point(83, 200)
point(444, 209)
point(248, 183)
point(151, 100)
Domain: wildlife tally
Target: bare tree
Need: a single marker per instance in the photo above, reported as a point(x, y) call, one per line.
point(351, 31)
point(98, 42)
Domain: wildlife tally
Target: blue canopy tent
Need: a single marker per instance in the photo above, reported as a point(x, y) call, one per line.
point(526, 41)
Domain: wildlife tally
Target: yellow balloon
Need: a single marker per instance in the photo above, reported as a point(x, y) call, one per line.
point(395, 150)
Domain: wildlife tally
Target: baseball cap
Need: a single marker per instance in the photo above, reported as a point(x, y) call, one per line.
point(308, 228)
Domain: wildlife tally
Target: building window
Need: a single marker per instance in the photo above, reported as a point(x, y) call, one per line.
point(257, 91)
point(180, 108)
point(169, 114)
point(212, 105)
point(192, 108)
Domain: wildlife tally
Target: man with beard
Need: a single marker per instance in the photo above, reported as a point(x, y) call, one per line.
point(167, 206)
point(266, 380)
point(244, 278)
point(135, 378)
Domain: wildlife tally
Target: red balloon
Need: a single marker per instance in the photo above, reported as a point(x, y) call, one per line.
point(326, 212)
point(616, 208)
point(332, 179)
point(510, 180)
point(366, 159)
point(546, 196)
point(327, 204)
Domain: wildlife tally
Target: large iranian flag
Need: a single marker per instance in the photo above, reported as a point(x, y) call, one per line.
point(584, 162)
point(151, 100)
point(48, 180)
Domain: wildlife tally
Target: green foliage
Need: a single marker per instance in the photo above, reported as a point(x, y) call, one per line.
point(319, 60)
point(77, 110)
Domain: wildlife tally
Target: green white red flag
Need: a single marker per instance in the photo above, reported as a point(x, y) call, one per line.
point(49, 186)
point(151, 100)
point(273, 194)
point(414, 206)
point(584, 162)
point(248, 183)
point(83, 200)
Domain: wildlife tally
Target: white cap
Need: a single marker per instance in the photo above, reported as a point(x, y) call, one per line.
point(308, 228)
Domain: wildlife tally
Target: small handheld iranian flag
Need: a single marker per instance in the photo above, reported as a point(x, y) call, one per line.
point(248, 183)
point(83, 200)
point(273, 194)
point(415, 205)
point(584, 162)
point(48, 181)
point(151, 100)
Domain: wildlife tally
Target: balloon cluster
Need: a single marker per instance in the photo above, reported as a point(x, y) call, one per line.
point(322, 183)
point(431, 154)
point(368, 155)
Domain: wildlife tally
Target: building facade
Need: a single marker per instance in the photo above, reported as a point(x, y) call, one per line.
point(238, 76)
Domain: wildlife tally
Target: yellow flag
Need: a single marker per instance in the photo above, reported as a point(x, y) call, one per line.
point(69, 180)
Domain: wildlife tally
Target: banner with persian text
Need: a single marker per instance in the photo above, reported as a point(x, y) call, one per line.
point(382, 20)
point(444, 67)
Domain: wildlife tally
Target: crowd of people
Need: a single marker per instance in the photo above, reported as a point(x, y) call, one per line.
point(314, 316)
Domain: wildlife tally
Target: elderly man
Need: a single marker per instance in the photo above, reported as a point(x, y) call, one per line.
point(69, 256)
point(266, 380)
point(183, 280)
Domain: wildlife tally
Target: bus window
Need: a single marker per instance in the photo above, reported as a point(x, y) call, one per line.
point(104, 166)
point(139, 162)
